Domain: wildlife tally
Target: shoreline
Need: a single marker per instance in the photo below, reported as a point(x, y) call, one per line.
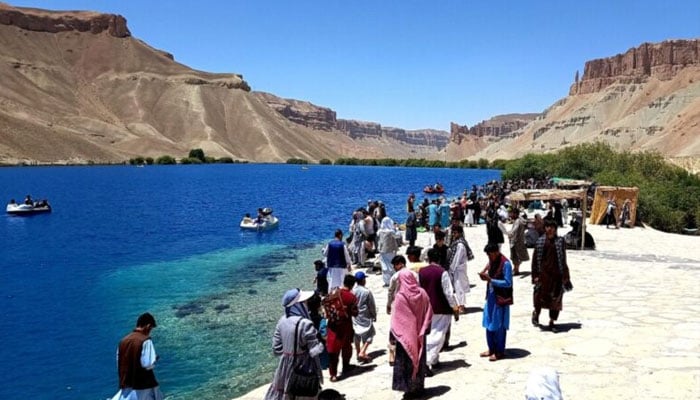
point(630, 328)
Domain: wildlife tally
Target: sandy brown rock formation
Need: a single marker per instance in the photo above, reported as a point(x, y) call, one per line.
point(33, 19)
point(323, 118)
point(662, 61)
point(498, 127)
point(76, 87)
point(647, 99)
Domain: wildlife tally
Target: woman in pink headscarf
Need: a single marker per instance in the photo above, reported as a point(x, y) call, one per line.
point(410, 320)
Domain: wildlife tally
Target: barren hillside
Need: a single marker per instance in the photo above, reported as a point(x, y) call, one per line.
point(77, 87)
point(645, 99)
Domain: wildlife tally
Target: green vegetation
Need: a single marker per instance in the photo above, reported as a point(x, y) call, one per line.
point(669, 196)
point(414, 162)
point(137, 161)
point(325, 161)
point(165, 160)
point(191, 160)
point(297, 161)
point(195, 156)
point(198, 154)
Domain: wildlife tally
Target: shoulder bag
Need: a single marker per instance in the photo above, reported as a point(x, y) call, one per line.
point(304, 381)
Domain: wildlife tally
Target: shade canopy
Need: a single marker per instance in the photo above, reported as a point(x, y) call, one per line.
point(547, 194)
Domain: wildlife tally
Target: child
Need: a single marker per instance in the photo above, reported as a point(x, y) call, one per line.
point(321, 279)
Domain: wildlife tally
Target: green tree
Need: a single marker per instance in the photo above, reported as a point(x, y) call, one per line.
point(165, 160)
point(198, 154)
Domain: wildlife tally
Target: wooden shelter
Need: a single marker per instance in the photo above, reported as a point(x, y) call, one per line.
point(555, 194)
point(619, 194)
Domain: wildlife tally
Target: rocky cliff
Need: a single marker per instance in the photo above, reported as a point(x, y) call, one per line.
point(33, 19)
point(496, 128)
point(662, 61)
point(76, 87)
point(322, 118)
point(647, 99)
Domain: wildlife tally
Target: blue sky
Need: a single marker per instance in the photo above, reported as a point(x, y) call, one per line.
point(408, 64)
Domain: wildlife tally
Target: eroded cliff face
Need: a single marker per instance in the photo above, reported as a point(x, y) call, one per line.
point(324, 119)
point(33, 19)
point(76, 87)
point(496, 128)
point(662, 61)
point(647, 99)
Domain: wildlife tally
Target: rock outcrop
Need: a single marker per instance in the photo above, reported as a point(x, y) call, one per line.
point(324, 119)
point(301, 112)
point(647, 99)
point(659, 60)
point(496, 128)
point(33, 19)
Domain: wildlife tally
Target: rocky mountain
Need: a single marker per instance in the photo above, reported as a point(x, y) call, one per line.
point(77, 87)
point(645, 99)
point(323, 118)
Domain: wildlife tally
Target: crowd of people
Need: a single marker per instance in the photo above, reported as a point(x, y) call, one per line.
point(426, 289)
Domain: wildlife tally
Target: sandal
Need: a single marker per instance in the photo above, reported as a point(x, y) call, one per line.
point(486, 353)
point(334, 378)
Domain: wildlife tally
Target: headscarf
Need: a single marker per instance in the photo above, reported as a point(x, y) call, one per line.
point(387, 224)
point(410, 317)
point(292, 307)
point(452, 251)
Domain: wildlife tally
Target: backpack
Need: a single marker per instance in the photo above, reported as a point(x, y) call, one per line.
point(334, 307)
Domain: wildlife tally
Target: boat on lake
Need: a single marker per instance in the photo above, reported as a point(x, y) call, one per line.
point(264, 221)
point(434, 189)
point(28, 207)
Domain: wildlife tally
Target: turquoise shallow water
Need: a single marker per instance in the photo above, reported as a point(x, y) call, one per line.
point(123, 240)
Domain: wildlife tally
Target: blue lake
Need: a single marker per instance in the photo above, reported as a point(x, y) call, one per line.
point(123, 240)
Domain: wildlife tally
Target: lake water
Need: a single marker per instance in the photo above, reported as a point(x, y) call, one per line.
point(124, 240)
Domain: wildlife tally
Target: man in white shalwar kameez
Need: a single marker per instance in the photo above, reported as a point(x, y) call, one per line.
point(458, 254)
point(337, 260)
point(437, 283)
point(136, 380)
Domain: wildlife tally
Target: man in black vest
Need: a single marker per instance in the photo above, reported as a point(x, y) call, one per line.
point(437, 283)
point(136, 358)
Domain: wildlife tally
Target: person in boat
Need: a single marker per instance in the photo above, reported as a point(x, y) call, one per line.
point(12, 202)
point(247, 219)
point(261, 217)
point(28, 200)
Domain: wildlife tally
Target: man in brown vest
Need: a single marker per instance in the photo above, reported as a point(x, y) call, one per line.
point(136, 358)
point(437, 283)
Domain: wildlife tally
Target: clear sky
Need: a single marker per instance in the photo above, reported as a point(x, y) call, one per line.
point(401, 63)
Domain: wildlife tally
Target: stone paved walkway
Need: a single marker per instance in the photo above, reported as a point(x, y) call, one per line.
point(630, 329)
